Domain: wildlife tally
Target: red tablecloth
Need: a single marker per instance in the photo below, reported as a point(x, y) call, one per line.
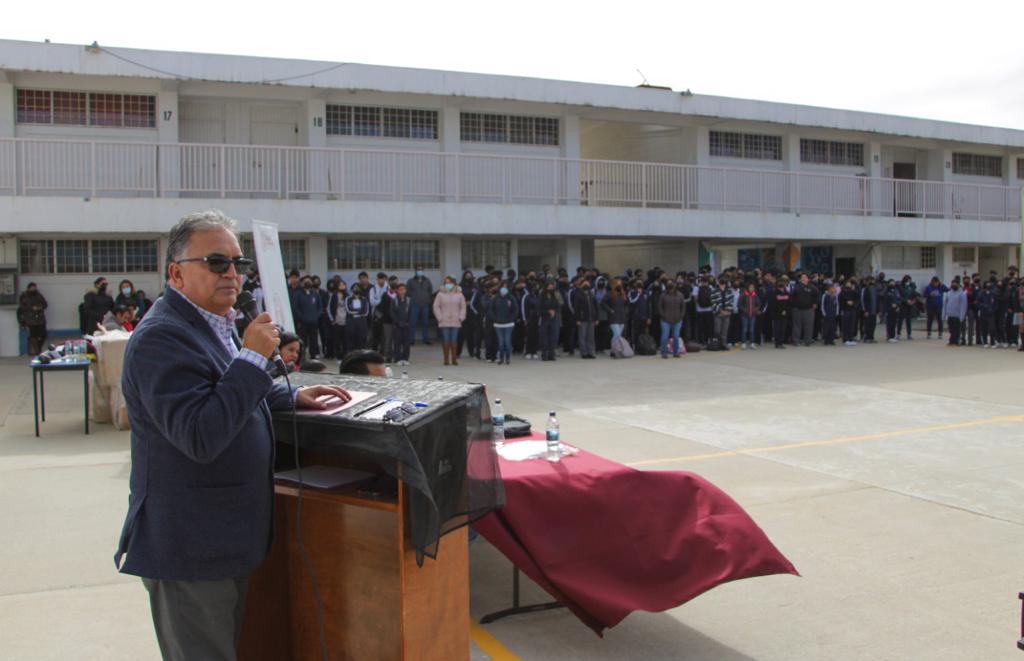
point(606, 540)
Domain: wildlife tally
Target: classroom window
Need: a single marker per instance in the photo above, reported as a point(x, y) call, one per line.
point(65, 108)
point(927, 257)
point(980, 165)
point(963, 254)
point(373, 121)
point(108, 256)
point(477, 254)
point(512, 129)
point(831, 152)
point(36, 256)
point(72, 256)
point(745, 145)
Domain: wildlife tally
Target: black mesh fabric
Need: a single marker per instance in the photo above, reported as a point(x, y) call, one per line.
point(443, 452)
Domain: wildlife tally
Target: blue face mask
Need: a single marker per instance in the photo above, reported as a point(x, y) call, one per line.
point(449, 286)
point(503, 291)
point(419, 274)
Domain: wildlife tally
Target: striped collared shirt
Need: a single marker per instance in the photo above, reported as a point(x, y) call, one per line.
point(224, 328)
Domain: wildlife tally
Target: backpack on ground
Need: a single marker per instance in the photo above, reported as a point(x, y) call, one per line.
point(645, 345)
point(704, 296)
point(692, 347)
point(621, 348)
point(714, 344)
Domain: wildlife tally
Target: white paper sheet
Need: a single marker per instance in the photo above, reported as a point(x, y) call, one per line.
point(335, 405)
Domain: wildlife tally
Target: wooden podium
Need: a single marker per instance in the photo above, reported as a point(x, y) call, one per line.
point(377, 603)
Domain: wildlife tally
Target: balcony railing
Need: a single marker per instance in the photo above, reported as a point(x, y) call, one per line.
point(122, 169)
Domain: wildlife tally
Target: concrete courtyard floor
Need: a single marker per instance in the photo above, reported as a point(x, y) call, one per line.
point(891, 475)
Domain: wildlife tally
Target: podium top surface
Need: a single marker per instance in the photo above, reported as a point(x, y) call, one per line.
point(439, 397)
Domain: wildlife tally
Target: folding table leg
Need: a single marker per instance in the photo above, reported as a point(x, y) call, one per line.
point(42, 394)
point(516, 608)
point(35, 399)
point(85, 391)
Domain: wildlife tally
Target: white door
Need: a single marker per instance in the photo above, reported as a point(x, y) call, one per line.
point(276, 169)
point(203, 124)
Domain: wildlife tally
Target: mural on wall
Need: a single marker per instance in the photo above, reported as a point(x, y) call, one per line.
point(817, 259)
point(748, 259)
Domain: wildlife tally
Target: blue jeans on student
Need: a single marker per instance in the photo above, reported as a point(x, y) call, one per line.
point(449, 335)
point(419, 316)
point(616, 330)
point(673, 330)
point(747, 329)
point(504, 343)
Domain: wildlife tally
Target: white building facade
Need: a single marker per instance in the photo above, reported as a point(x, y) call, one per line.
point(380, 168)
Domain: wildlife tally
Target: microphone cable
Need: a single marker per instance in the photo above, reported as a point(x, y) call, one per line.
point(298, 524)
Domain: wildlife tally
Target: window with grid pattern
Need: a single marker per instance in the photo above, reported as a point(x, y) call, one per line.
point(367, 254)
point(140, 256)
point(72, 256)
point(69, 108)
point(980, 165)
point(396, 123)
point(105, 110)
point(963, 254)
point(293, 254)
point(366, 121)
point(340, 255)
point(108, 256)
point(1020, 168)
point(139, 111)
point(426, 254)
point(831, 152)
point(927, 257)
point(339, 120)
point(514, 129)
point(477, 254)
point(34, 107)
point(36, 256)
point(398, 255)
point(745, 145)
point(381, 122)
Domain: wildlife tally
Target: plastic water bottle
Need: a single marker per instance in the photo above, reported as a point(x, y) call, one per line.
point(497, 424)
point(405, 375)
point(554, 445)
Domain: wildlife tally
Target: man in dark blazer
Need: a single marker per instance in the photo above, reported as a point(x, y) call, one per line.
point(199, 400)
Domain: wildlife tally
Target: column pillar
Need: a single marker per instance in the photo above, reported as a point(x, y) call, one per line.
point(944, 266)
point(7, 105)
point(167, 122)
point(313, 133)
point(316, 256)
point(451, 143)
point(451, 257)
point(571, 255)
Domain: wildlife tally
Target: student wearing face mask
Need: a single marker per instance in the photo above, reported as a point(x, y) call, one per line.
point(503, 312)
point(891, 303)
point(357, 310)
point(849, 304)
point(308, 307)
point(550, 316)
point(529, 309)
point(602, 332)
point(469, 336)
point(586, 320)
point(400, 315)
point(450, 312)
point(954, 311)
point(519, 330)
point(639, 311)
point(337, 313)
point(126, 294)
point(421, 296)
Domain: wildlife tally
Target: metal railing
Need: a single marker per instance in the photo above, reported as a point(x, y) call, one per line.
point(125, 169)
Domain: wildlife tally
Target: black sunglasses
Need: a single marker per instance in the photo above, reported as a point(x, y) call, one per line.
point(221, 263)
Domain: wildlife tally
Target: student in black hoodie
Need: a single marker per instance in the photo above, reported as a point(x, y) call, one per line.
point(779, 306)
point(550, 315)
point(639, 311)
point(586, 320)
point(529, 308)
point(469, 334)
point(891, 300)
point(849, 303)
point(869, 310)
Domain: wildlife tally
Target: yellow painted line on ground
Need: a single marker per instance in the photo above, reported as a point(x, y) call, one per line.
point(833, 441)
point(490, 645)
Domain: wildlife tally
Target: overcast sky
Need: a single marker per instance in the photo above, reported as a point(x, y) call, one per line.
point(958, 61)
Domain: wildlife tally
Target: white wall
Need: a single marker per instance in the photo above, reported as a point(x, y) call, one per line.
point(615, 256)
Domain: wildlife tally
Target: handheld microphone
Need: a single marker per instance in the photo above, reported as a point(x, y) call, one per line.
point(246, 304)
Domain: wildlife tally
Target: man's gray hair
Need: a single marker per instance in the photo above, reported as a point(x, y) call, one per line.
point(202, 221)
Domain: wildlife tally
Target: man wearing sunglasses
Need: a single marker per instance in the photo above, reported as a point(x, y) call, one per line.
point(199, 400)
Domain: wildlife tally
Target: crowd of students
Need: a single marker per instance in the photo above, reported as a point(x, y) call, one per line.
point(550, 313)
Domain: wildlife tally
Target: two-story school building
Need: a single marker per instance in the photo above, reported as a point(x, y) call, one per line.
point(382, 168)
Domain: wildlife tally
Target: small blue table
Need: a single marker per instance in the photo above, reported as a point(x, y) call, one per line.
point(39, 388)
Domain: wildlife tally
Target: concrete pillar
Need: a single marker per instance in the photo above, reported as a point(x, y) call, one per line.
point(451, 140)
point(570, 136)
point(10, 330)
point(945, 268)
point(1010, 170)
point(167, 122)
point(571, 255)
point(314, 134)
point(1013, 256)
point(587, 255)
point(7, 105)
point(791, 151)
point(702, 139)
point(873, 159)
point(316, 255)
point(451, 257)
